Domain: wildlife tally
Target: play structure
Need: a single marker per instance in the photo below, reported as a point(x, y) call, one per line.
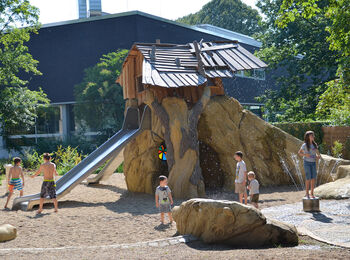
point(189, 130)
point(109, 151)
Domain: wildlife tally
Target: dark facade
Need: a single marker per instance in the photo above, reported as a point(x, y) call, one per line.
point(65, 49)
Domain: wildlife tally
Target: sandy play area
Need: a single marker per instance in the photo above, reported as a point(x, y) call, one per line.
point(107, 214)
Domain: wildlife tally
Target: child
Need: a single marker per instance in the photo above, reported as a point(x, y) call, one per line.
point(241, 177)
point(164, 200)
point(48, 187)
point(253, 189)
point(15, 183)
point(309, 151)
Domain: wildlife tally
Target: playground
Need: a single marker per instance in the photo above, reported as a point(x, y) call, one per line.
point(107, 220)
point(179, 123)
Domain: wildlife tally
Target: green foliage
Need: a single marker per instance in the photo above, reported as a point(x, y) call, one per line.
point(334, 104)
point(301, 53)
point(229, 14)
point(66, 159)
point(14, 55)
point(2, 163)
point(32, 160)
point(120, 168)
point(298, 129)
point(100, 100)
point(18, 107)
point(336, 11)
point(337, 149)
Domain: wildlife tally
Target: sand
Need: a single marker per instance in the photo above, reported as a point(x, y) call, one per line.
point(108, 214)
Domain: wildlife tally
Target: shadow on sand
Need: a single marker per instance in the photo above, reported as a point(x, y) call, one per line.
point(318, 216)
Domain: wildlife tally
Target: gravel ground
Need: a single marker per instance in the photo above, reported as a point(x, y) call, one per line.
point(94, 222)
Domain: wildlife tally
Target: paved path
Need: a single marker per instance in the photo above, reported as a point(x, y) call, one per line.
point(331, 225)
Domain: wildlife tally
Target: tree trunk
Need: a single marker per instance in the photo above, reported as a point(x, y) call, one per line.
point(181, 140)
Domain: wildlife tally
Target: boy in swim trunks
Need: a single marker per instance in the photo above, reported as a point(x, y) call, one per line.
point(48, 188)
point(14, 179)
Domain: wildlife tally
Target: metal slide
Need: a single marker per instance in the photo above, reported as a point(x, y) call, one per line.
point(107, 151)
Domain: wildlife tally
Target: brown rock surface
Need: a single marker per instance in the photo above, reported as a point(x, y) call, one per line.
point(7, 232)
point(224, 127)
point(220, 221)
point(339, 189)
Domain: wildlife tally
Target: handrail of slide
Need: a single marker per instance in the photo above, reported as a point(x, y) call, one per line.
point(110, 149)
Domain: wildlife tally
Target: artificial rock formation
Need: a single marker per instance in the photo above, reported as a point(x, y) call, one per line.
point(339, 189)
point(7, 232)
point(218, 221)
point(224, 127)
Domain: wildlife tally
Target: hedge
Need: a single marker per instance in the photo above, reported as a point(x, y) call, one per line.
point(298, 129)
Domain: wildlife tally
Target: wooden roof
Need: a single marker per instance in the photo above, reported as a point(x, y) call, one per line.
point(172, 66)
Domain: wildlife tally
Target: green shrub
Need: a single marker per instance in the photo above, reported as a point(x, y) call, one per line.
point(120, 169)
point(66, 159)
point(337, 149)
point(298, 129)
point(2, 163)
point(32, 160)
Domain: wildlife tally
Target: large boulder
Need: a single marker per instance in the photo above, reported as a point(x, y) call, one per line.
point(219, 221)
point(223, 128)
point(339, 189)
point(7, 232)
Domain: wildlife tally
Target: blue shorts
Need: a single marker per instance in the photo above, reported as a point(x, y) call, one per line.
point(310, 170)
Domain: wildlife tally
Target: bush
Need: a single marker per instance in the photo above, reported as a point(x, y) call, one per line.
point(32, 160)
point(337, 149)
point(2, 163)
point(298, 129)
point(66, 159)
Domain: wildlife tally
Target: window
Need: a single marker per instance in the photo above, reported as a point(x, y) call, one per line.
point(258, 74)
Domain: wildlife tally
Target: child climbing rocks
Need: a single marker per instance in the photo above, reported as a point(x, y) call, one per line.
point(14, 179)
point(48, 188)
point(253, 189)
point(164, 200)
point(241, 177)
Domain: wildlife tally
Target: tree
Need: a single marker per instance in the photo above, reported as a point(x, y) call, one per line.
point(301, 53)
point(14, 55)
point(334, 102)
point(100, 99)
point(229, 14)
point(18, 104)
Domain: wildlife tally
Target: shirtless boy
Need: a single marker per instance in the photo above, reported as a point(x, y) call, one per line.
point(48, 187)
point(14, 180)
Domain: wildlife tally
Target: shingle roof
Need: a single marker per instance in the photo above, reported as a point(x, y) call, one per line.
point(169, 65)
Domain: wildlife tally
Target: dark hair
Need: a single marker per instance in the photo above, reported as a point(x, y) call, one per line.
point(162, 178)
point(239, 153)
point(307, 140)
point(16, 160)
point(47, 156)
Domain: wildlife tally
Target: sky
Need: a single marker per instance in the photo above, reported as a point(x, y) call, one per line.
point(62, 10)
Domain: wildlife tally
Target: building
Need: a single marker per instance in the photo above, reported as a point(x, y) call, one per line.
point(65, 49)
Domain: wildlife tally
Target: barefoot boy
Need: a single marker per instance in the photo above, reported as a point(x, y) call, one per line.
point(241, 177)
point(253, 189)
point(164, 200)
point(14, 180)
point(48, 187)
